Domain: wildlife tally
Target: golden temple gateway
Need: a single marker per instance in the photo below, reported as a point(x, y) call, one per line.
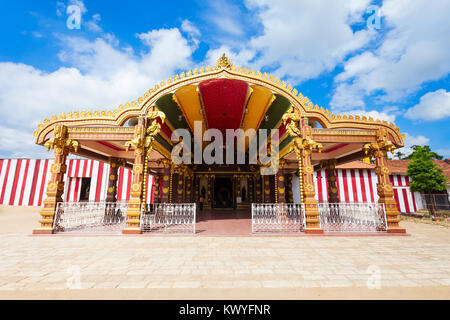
point(139, 136)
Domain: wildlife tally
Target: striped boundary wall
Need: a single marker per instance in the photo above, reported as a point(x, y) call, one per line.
point(23, 182)
point(360, 185)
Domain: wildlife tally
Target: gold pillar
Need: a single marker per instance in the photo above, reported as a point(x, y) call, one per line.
point(180, 194)
point(157, 198)
point(266, 182)
point(251, 186)
point(289, 193)
point(166, 181)
point(134, 205)
point(197, 189)
point(304, 146)
point(62, 147)
point(209, 195)
point(330, 166)
point(379, 151)
point(188, 188)
point(114, 164)
point(280, 184)
point(258, 193)
point(281, 188)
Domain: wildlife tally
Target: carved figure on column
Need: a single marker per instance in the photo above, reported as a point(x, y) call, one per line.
point(379, 151)
point(303, 146)
point(62, 148)
point(330, 166)
point(142, 145)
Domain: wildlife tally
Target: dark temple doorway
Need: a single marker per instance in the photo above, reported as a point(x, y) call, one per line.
point(223, 193)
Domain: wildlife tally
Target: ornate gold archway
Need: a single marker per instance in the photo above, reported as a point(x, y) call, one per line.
point(342, 137)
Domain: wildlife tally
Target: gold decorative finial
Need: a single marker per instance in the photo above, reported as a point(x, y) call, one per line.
point(224, 62)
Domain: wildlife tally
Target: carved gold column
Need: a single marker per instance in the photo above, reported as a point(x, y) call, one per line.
point(134, 204)
point(330, 166)
point(289, 193)
point(197, 188)
point(166, 181)
point(209, 199)
point(188, 188)
point(281, 186)
point(258, 193)
point(62, 147)
point(266, 182)
point(142, 145)
point(157, 198)
point(303, 147)
point(306, 146)
point(114, 164)
point(238, 186)
point(251, 186)
point(379, 151)
point(180, 185)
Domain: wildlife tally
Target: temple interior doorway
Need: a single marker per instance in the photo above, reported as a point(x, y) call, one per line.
point(223, 193)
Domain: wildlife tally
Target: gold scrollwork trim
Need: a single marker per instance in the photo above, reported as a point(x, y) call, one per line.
point(225, 68)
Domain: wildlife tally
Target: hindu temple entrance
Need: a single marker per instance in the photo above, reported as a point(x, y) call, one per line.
point(223, 194)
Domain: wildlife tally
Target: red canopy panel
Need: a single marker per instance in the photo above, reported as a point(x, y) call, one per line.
point(165, 129)
point(224, 102)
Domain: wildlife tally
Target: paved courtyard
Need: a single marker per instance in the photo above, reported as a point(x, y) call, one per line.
point(214, 267)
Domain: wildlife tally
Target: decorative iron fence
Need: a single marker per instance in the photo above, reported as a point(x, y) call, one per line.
point(169, 218)
point(352, 217)
point(90, 217)
point(436, 204)
point(278, 218)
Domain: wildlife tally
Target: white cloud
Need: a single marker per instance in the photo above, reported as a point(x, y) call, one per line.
point(188, 27)
point(9, 139)
point(238, 57)
point(432, 106)
point(224, 16)
point(412, 141)
point(414, 50)
point(93, 25)
point(98, 75)
point(303, 39)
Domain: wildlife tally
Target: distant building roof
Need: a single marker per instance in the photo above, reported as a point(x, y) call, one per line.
point(356, 165)
point(401, 166)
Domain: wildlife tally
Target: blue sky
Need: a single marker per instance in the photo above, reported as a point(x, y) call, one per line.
point(398, 72)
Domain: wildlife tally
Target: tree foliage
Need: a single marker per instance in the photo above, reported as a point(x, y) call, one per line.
point(425, 149)
point(426, 176)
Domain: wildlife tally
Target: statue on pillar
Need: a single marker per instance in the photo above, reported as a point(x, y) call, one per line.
point(62, 148)
point(379, 151)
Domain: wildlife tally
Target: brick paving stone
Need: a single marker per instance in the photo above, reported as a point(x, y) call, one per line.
point(43, 263)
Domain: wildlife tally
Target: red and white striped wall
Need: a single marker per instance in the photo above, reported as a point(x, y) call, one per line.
point(354, 185)
point(23, 182)
point(360, 185)
point(406, 200)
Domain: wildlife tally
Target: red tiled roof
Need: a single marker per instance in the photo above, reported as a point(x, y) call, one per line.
point(398, 166)
point(401, 166)
point(445, 166)
point(356, 165)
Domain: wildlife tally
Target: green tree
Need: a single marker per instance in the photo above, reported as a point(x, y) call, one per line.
point(422, 149)
point(400, 155)
point(426, 176)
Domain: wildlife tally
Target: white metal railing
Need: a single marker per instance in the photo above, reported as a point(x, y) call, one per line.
point(170, 218)
point(352, 217)
point(278, 218)
point(90, 217)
